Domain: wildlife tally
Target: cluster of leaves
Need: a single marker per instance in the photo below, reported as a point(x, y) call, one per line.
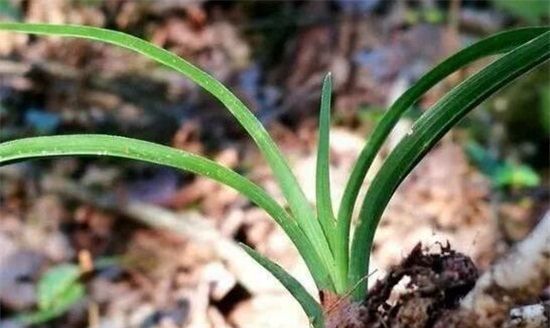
point(338, 263)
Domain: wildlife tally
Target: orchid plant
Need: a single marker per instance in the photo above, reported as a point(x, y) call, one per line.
point(336, 256)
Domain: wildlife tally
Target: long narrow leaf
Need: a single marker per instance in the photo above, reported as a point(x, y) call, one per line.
point(287, 181)
point(325, 212)
point(425, 133)
point(322, 174)
point(495, 44)
point(105, 145)
point(308, 303)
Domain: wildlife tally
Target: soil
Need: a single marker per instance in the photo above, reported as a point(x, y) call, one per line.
point(434, 285)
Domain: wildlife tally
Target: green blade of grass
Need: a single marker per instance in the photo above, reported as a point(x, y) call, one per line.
point(114, 146)
point(495, 44)
point(311, 307)
point(294, 195)
point(325, 212)
point(322, 174)
point(425, 133)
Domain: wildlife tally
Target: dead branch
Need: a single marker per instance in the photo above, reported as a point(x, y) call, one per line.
point(518, 277)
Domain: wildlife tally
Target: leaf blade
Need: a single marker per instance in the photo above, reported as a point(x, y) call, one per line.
point(426, 132)
point(54, 282)
point(495, 44)
point(322, 173)
point(325, 212)
point(121, 147)
point(287, 181)
point(310, 306)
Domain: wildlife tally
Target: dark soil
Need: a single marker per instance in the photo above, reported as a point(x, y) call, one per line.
point(435, 285)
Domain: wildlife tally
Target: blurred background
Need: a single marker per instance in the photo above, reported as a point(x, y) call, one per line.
point(99, 242)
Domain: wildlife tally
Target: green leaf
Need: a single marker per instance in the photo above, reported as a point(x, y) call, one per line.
point(73, 294)
point(325, 212)
point(308, 303)
point(322, 177)
point(498, 43)
point(287, 181)
point(58, 290)
point(486, 162)
point(425, 133)
point(531, 11)
point(515, 176)
point(105, 145)
point(502, 174)
point(54, 283)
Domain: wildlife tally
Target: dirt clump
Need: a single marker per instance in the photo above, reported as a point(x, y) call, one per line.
point(434, 285)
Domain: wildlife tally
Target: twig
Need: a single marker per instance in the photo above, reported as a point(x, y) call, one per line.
point(193, 226)
point(518, 277)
